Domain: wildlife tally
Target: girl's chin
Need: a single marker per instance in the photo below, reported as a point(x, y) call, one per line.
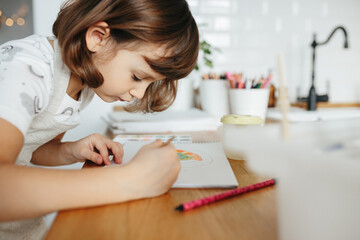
point(108, 99)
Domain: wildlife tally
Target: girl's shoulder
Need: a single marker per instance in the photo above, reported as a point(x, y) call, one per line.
point(32, 48)
point(32, 54)
point(26, 78)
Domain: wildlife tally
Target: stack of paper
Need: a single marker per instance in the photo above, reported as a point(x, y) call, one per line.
point(167, 121)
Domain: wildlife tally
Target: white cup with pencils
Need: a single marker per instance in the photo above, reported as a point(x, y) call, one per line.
point(253, 101)
point(249, 97)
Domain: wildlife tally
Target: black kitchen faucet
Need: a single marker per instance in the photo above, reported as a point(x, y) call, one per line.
point(313, 98)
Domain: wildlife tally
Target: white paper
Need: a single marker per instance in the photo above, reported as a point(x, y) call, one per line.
point(213, 171)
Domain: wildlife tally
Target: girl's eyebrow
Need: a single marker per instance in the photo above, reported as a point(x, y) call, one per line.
point(145, 74)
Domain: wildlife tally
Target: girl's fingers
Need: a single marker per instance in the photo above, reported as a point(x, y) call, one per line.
point(92, 156)
point(156, 143)
point(116, 150)
point(103, 150)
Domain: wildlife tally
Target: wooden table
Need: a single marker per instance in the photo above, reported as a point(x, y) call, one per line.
point(250, 216)
point(327, 105)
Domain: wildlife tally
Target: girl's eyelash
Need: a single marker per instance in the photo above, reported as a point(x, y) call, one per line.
point(136, 78)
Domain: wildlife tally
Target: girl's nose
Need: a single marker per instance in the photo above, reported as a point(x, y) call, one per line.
point(138, 92)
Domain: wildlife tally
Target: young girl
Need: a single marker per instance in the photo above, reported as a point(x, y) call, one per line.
point(121, 50)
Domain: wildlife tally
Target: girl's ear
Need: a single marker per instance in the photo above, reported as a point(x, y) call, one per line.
point(97, 36)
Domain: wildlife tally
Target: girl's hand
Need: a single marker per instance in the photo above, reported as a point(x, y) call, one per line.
point(96, 148)
point(154, 169)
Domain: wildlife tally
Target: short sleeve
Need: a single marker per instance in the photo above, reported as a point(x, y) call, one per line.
point(23, 91)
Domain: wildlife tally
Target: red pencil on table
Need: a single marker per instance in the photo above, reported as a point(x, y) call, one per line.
point(217, 197)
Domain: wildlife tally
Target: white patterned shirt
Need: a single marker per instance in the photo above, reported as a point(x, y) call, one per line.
point(27, 82)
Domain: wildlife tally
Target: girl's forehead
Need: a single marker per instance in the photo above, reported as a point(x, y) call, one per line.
point(153, 51)
point(147, 49)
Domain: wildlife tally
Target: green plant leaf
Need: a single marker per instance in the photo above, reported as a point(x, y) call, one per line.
point(207, 49)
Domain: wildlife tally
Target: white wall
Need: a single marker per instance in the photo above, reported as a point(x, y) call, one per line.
point(45, 13)
point(251, 33)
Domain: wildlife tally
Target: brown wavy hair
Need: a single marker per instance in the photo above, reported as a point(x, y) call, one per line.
point(165, 22)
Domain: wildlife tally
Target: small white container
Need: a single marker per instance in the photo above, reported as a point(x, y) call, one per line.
point(214, 97)
point(252, 102)
point(232, 126)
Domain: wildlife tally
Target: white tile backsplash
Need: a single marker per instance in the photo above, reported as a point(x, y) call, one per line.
point(251, 33)
point(222, 40)
point(222, 23)
point(216, 7)
point(295, 8)
point(265, 7)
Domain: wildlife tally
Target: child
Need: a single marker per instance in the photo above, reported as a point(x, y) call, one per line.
point(126, 50)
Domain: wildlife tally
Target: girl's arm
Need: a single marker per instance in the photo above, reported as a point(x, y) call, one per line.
point(48, 154)
point(27, 192)
point(95, 147)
